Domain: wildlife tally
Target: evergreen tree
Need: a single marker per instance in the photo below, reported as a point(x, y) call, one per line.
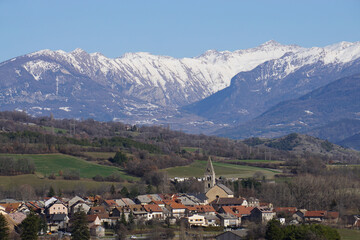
point(79, 227)
point(149, 189)
point(325, 232)
point(60, 193)
point(112, 189)
point(51, 192)
point(274, 230)
point(134, 192)
point(131, 221)
point(122, 232)
point(120, 158)
point(123, 219)
point(43, 224)
point(30, 227)
point(124, 192)
point(4, 229)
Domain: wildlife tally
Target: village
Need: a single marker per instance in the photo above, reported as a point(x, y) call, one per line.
point(216, 207)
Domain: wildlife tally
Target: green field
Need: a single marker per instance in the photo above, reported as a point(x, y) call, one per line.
point(349, 234)
point(256, 161)
point(46, 164)
point(190, 149)
point(197, 169)
point(56, 130)
point(14, 182)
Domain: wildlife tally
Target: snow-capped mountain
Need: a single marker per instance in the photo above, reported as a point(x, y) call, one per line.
point(135, 85)
point(290, 76)
point(144, 88)
point(170, 81)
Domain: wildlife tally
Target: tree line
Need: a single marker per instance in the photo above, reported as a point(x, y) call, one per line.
point(146, 148)
point(10, 166)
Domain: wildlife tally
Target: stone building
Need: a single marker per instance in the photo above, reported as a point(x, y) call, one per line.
point(212, 189)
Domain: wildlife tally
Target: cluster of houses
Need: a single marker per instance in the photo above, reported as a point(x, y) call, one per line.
point(216, 207)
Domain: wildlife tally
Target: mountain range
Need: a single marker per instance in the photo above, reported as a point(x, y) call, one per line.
point(137, 84)
point(201, 94)
point(294, 74)
point(324, 112)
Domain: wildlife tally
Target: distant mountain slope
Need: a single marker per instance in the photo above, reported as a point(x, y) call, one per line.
point(140, 88)
point(351, 142)
point(337, 100)
point(336, 131)
point(301, 145)
point(293, 75)
point(136, 84)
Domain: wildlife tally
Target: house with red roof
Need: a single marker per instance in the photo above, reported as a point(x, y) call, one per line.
point(331, 217)
point(138, 211)
point(11, 207)
point(285, 210)
point(238, 211)
point(241, 212)
point(176, 210)
point(93, 220)
point(219, 202)
point(205, 209)
point(309, 216)
point(101, 212)
point(109, 204)
point(159, 203)
point(153, 212)
point(35, 207)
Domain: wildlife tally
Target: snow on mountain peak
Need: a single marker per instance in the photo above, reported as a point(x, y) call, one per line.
point(271, 43)
point(191, 78)
point(342, 52)
point(78, 50)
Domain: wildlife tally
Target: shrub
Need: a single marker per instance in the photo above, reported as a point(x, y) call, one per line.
point(71, 174)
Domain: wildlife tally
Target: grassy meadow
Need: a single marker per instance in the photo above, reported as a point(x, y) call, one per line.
point(255, 161)
point(191, 149)
point(349, 234)
point(46, 164)
point(15, 182)
point(197, 169)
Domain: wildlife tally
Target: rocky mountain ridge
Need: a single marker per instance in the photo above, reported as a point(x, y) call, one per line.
point(141, 88)
point(330, 112)
point(290, 76)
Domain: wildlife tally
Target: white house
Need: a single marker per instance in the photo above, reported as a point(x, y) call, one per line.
point(196, 220)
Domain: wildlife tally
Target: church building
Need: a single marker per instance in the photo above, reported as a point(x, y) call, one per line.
point(212, 189)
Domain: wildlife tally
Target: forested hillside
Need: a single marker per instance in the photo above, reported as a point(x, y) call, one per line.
point(146, 149)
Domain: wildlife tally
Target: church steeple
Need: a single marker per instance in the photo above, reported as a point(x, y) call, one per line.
point(209, 176)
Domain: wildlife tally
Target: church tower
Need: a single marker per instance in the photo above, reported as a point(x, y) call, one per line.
point(209, 176)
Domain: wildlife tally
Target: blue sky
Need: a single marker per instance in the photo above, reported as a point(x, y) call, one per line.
point(174, 28)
